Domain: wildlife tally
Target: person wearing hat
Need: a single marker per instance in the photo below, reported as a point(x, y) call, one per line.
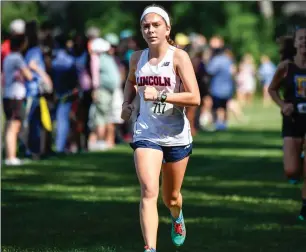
point(128, 45)
point(122, 54)
point(16, 27)
point(15, 72)
point(92, 33)
point(116, 131)
point(126, 34)
point(181, 40)
point(108, 79)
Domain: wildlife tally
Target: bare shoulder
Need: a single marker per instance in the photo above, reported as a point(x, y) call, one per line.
point(180, 54)
point(180, 58)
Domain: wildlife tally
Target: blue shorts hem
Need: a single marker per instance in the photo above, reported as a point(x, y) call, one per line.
point(170, 153)
point(177, 159)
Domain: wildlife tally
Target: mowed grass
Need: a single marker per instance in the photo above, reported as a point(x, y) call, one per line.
point(235, 198)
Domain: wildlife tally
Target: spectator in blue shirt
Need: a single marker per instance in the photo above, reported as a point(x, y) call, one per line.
point(14, 73)
point(41, 81)
point(65, 80)
point(220, 68)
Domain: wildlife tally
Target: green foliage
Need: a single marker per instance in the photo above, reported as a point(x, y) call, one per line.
point(241, 29)
point(269, 46)
point(179, 11)
point(13, 10)
point(113, 21)
point(235, 198)
point(201, 17)
point(247, 31)
point(240, 23)
point(105, 15)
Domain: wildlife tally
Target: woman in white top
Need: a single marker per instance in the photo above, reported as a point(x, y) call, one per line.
point(165, 81)
point(246, 81)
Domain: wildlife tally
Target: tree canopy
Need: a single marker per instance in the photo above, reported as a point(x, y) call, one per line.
point(244, 27)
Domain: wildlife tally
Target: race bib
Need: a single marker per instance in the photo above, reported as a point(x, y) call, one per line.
point(300, 84)
point(162, 109)
point(301, 108)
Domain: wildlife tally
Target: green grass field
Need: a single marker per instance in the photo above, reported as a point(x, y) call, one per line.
point(235, 198)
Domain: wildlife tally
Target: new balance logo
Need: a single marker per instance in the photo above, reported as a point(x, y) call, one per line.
point(166, 64)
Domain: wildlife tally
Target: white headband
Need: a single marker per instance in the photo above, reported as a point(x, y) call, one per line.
point(157, 10)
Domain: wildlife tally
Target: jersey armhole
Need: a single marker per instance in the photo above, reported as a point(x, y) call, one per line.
point(173, 64)
point(177, 75)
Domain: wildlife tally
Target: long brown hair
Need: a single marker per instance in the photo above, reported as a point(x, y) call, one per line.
point(297, 28)
point(169, 40)
point(287, 50)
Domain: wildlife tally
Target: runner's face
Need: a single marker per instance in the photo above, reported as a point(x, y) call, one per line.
point(154, 29)
point(300, 41)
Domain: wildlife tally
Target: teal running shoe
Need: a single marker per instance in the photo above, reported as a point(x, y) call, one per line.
point(302, 215)
point(293, 181)
point(178, 231)
point(147, 249)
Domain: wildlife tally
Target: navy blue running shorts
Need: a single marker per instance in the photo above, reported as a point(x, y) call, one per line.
point(171, 153)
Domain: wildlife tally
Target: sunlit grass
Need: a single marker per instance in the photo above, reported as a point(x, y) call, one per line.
point(235, 198)
point(101, 249)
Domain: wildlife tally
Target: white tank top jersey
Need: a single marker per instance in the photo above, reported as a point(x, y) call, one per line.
point(162, 123)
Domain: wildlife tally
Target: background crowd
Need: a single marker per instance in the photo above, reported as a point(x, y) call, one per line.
point(63, 94)
point(63, 69)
